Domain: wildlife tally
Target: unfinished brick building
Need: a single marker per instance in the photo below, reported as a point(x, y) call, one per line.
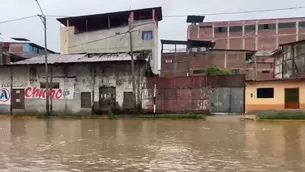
point(261, 35)
point(200, 55)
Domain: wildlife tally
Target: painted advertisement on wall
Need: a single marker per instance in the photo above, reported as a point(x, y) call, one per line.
point(40, 93)
point(5, 96)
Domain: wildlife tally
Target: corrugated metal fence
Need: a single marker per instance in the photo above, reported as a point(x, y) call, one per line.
point(222, 94)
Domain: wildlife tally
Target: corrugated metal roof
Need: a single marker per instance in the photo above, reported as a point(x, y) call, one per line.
point(75, 58)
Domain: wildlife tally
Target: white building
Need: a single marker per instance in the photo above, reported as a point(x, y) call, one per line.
point(109, 33)
point(80, 83)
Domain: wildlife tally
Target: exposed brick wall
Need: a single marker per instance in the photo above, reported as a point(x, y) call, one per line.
point(183, 64)
point(268, 40)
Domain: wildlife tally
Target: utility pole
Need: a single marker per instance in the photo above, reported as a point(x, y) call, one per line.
point(132, 66)
point(44, 21)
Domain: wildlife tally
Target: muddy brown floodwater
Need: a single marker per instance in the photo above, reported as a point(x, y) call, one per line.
point(148, 145)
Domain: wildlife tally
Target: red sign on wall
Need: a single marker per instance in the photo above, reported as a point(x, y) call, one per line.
point(39, 93)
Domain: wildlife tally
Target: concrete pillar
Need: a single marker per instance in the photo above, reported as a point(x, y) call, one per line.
point(243, 35)
point(256, 35)
point(228, 36)
point(131, 16)
point(277, 33)
point(297, 30)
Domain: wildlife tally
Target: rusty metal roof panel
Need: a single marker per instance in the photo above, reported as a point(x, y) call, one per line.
point(75, 58)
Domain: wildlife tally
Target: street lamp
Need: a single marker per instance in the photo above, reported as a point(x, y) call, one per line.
point(44, 22)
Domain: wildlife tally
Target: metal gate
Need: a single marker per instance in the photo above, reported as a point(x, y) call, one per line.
point(216, 94)
point(107, 99)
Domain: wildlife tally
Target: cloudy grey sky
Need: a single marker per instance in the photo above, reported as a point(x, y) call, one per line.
point(170, 27)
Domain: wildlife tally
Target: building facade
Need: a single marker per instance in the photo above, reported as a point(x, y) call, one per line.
point(275, 95)
point(80, 83)
point(109, 33)
point(263, 35)
point(22, 47)
point(290, 60)
point(195, 61)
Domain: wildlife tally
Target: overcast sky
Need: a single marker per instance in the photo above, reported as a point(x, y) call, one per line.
point(169, 28)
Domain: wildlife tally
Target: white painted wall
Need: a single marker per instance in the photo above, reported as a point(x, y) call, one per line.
point(114, 40)
point(78, 78)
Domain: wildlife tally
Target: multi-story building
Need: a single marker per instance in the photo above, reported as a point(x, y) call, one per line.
point(110, 33)
point(200, 56)
point(263, 35)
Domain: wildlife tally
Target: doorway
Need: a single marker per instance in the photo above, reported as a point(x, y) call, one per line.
point(107, 98)
point(292, 98)
point(18, 99)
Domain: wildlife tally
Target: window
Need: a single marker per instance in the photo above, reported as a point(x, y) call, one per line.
point(221, 29)
point(265, 93)
point(33, 72)
point(85, 100)
point(199, 71)
point(249, 57)
point(266, 26)
point(302, 24)
point(236, 28)
point(266, 71)
point(235, 71)
point(287, 25)
point(147, 35)
point(55, 85)
point(249, 28)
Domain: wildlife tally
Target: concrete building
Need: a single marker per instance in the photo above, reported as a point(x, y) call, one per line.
point(22, 47)
point(200, 55)
point(290, 60)
point(263, 35)
point(109, 33)
point(283, 94)
point(80, 83)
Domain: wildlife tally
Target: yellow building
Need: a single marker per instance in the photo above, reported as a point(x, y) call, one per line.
point(275, 95)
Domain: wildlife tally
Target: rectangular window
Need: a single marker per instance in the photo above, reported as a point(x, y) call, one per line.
point(33, 72)
point(287, 25)
point(266, 71)
point(55, 85)
point(266, 26)
point(199, 71)
point(220, 29)
point(265, 93)
point(235, 71)
point(302, 24)
point(85, 99)
point(236, 28)
point(249, 57)
point(147, 35)
point(249, 28)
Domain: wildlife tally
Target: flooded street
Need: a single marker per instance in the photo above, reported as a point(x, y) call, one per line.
point(150, 145)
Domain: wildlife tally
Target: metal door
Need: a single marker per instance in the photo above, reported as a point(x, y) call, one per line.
point(292, 98)
point(107, 98)
point(18, 99)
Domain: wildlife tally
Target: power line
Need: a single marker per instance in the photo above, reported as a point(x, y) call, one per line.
point(183, 15)
point(222, 13)
point(18, 19)
point(242, 12)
